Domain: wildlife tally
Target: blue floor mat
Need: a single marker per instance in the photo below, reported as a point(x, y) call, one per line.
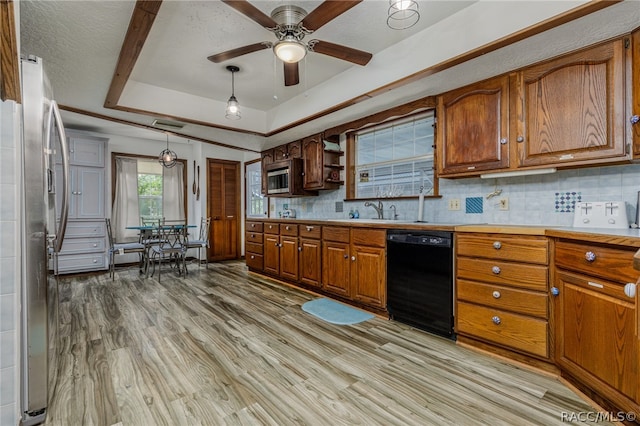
point(335, 312)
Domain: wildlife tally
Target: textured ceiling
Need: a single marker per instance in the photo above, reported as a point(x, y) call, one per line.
point(80, 41)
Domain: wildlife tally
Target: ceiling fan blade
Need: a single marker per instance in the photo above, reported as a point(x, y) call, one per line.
point(327, 11)
point(251, 12)
point(291, 75)
point(234, 53)
point(345, 53)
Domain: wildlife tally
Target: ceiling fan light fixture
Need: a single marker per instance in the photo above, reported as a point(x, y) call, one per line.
point(290, 50)
point(233, 107)
point(402, 14)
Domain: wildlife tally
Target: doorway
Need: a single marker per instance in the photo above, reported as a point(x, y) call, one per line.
point(223, 199)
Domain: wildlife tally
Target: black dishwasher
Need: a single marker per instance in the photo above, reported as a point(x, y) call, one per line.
point(420, 279)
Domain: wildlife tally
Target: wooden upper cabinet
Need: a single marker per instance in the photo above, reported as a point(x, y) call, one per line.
point(266, 158)
point(572, 109)
point(313, 150)
point(634, 117)
point(473, 128)
point(288, 151)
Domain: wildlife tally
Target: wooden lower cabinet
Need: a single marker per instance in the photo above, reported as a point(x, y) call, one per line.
point(596, 322)
point(289, 257)
point(336, 268)
point(310, 262)
point(369, 266)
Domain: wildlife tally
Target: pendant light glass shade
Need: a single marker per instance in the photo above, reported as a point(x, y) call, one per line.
point(167, 157)
point(233, 107)
point(403, 14)
point(290, 50)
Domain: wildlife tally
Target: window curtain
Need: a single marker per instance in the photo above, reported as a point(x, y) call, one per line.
point(125, 205)
point(173, 192)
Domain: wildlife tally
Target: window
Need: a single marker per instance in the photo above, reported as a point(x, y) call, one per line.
point(256, 202)
point(395, 159)
point(150, 189)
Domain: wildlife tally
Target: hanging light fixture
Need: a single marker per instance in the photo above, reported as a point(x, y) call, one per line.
point(167, 157)
point(290, 50)
point(403, 14)
point(233, 107)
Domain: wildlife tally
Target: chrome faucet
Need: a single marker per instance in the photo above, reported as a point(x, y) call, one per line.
point(395, 213)
point(378, 208)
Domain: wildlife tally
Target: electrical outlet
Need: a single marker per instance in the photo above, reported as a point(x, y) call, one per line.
point(454, 204)
point(503, 203)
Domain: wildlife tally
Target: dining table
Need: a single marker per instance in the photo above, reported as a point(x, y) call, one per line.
point(147, 232)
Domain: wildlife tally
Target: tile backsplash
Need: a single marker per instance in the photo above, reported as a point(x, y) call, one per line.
point(532, 200)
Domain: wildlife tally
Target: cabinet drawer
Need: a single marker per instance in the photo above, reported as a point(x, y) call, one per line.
point(369, 237)
point(254, 237)
point(82, 262)
point(510, 274)
point(310, 231)
point(85, 229)
point(509, 299)
point(255, 261)
point(519, 332)
point(271, 228)
point(254, 248)
point(612, 263)
point(505, 247)
point(83, 245)
point(338, 234)
point(291, 230)
point(254, 226)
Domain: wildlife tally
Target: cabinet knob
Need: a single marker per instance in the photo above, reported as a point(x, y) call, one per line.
point(520, 139)
point(253, 235)
point(496, 320)
point(496, 294)
point(497, 245)
point(630, 290)
point(495, 270)
point(590, 256)
point(286, 227)
point(346, 256)
point(276, 244)
point(253, 225)
point(299, 248)
point(353, 258)
point(95, 260)
point(253, 257)
point(635, 119)
point(555, 291)
point(503, 141)
point(95, 245)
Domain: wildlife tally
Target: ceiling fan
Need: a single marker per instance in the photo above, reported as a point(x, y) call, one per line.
point(291, 24)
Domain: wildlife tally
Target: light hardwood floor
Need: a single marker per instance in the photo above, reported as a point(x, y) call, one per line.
point(223, 346)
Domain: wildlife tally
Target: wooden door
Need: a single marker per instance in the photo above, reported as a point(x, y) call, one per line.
point(336, 268)
point(310, 261)
point(368, 280)
point(272, 254)
point(289, 258)
point(473, 128)
point(313, 154)
point(224, 209)
point(570, 109)
point(595, 335)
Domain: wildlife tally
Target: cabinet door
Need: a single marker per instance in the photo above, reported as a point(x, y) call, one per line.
point(368, 278)
point(280, 153)
point(473, 128)
point(635, 93)
point(289, 258)
point(266, 158)
point(272, 254)
point(571, 109)
point(313, 154)
point(595, 335)
point(224, 208)
point(310, 261)
point(87, 192)
point(336, 268)
point(294, 149)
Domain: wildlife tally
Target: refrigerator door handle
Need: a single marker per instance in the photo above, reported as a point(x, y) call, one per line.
point(54, 113)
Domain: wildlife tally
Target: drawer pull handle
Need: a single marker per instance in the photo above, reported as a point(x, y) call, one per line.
point(95, 245)
point(555, 291)
point(630, 290)
point(496, 320)
point(253, 225)
point(496, 294)
point(596, 285)
point(286, 227)
point(253, 235)
point(95, 260)
point(590, 256)
point(309, 228)
point(497, 245)
point(495, 270)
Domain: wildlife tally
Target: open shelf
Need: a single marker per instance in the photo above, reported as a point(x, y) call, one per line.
point(334, 166)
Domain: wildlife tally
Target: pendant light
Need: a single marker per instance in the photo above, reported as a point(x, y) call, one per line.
point(167, 157)
point(403, 14)
point(233, 107)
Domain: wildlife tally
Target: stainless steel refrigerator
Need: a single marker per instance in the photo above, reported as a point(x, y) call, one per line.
point(42, 236)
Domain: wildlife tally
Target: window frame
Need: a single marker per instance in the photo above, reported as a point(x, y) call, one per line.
point(247, 196)
point(351, 155)
point(114, 155)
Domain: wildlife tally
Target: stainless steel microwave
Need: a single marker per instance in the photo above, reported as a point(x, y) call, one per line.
point(285, 178)
point(278, 181)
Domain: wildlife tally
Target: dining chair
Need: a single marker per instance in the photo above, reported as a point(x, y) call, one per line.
point(123, 248)
point(202, 241)
point(171, 248)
